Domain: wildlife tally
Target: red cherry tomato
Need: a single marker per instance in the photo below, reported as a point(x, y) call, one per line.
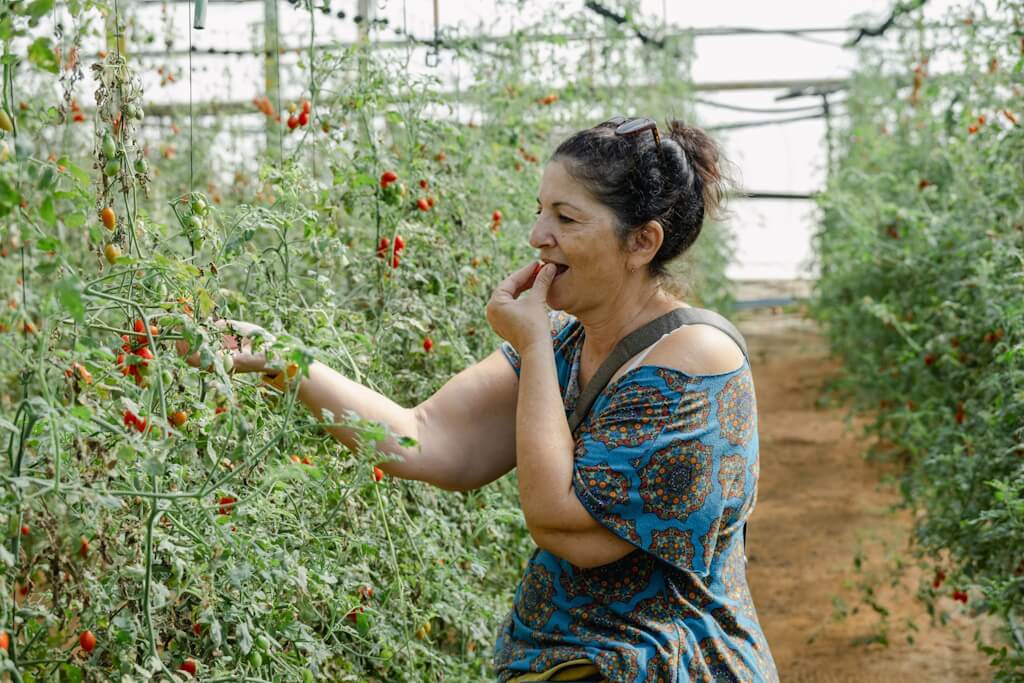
point(227, 504)
point(428, 344)
point(387, 177)
point(423, 204)
point(87, 640)
point(378, 473)
point(189, 667)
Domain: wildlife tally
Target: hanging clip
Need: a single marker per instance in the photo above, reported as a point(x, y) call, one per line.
point(433, 57)
point(200, 17)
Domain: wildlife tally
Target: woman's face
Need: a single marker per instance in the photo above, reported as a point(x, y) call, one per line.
point(577, 232)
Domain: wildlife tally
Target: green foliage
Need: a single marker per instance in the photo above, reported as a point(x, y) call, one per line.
point(921, 287)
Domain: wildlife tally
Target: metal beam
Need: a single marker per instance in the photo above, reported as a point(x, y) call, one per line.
point(245, 107)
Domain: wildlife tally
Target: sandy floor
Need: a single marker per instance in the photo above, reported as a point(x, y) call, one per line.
point(820, 503)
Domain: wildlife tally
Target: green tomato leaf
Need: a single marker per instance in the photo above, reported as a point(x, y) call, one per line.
point(70, 292)
point(39, 9)
point(74, 220)
point(81, 176)
point(49, 216)
point(362, 624)
point(41, 54)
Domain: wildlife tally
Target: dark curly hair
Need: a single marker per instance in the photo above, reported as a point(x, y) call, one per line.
point(679, 187)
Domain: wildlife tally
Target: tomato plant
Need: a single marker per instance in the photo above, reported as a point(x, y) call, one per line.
point(171, 531)
point(920, 291)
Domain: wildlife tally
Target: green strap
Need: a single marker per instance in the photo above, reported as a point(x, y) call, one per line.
point(638, 340)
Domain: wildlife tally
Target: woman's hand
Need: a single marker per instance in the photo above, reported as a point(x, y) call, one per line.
point(238, 339)
point(524, 321)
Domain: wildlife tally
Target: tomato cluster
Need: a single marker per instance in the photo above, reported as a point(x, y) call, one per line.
point(382, 249)
point(300, 119)
point(139, 347)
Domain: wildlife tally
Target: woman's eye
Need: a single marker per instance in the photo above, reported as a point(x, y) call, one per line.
point(564, 219)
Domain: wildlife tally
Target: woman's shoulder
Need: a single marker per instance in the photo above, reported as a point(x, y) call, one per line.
point(698, 350)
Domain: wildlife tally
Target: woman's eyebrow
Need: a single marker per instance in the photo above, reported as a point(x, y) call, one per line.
point(571, 206)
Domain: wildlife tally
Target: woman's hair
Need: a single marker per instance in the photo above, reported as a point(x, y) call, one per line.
point(678, 187)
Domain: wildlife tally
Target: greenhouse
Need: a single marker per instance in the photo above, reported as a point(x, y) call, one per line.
point(605, 341)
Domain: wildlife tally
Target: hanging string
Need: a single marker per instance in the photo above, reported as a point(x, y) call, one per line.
point(191, 154)
point(312, 77)
point(277, 81)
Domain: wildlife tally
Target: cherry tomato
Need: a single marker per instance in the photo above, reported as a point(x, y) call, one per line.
point(87, 640)
point(378, 473)
point(5, 640)
point(533, 276)
point(387, 177)
point(399, 243)
point(227, 504)
point(83, 548)
point(109, 218)
point(109, 147)
point(496, 217)
point(112, 252)
point(178, 418)
point(293, 122)
point(306, 106)
point(303, 118)
point(422, 204)
point(25, 530)
point(428, 344)
point(189, 667)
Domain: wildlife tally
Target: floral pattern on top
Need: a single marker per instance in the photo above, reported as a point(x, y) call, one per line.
point(668, 462)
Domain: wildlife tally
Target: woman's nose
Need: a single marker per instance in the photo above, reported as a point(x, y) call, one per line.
point(540, 235)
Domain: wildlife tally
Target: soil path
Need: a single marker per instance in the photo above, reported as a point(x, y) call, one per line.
point(819, 504)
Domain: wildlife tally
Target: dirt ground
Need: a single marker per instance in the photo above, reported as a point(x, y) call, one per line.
point(820, 503)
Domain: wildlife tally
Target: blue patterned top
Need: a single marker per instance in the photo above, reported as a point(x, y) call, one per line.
point(669, 462)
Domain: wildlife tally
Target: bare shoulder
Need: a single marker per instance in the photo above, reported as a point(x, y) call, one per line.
point(698, 350)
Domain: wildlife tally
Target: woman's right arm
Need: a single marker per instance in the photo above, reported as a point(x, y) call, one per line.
point(465, 432)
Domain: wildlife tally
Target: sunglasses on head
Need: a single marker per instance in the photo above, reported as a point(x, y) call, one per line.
point(635, 126)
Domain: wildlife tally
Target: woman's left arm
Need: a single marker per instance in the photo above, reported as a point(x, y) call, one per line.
point(557, 520)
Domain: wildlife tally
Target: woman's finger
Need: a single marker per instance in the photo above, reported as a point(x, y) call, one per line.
point(536, 268)
point(519, 280)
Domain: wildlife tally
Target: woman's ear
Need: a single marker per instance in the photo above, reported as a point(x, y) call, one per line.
point(648, 238)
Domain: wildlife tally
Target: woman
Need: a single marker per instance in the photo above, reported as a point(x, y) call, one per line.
point(639, 573)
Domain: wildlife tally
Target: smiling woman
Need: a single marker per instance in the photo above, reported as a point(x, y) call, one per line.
point(637, 506)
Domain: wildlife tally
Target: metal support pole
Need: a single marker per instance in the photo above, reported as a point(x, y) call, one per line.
point(828, 134)
point(270, 62)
